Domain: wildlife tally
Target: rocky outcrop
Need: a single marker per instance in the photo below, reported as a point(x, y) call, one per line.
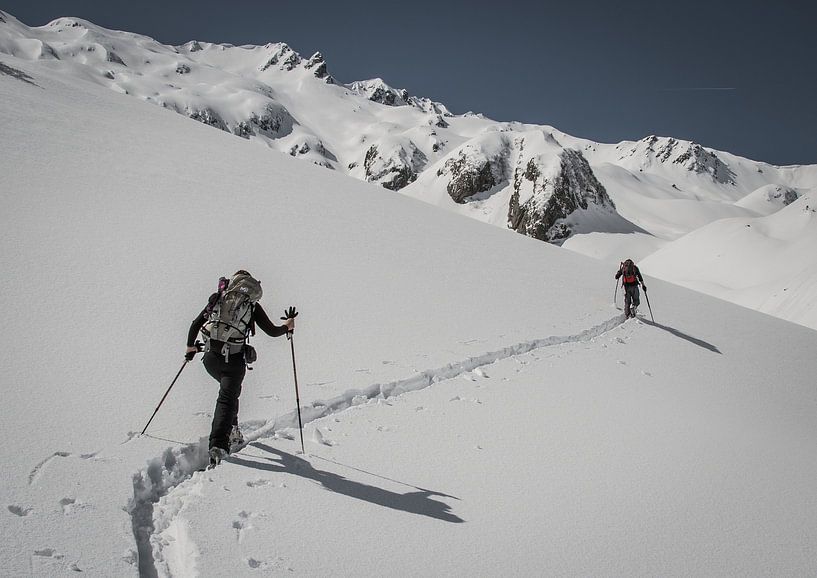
point(274, 122)
point(552, 199)
point(689, 155)
point(310, 148)
point(207, 116)
point(378, 91)
point(14, 73)
point(471, 172)
point(114, 57)
point(317, 64)
point(285, 58)
point(394, 167)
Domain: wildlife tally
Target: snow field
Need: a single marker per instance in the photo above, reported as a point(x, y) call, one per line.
point(676, 448)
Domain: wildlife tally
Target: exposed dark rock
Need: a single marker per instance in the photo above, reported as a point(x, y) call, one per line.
point(554, 199)
point(290, 62)
point(274, 122)
point(114, 57)
point(208, 117)
point(109, 75)
point(440, 122)
point(696, 158)
point(182, 69)
point(48, 50)
point(469, 176)
point(396, 170)
point(786, 195)
point(317, 63)
point(690, 155)
point(429, 106)
point(243, 129)
point(275, 58)
point(318, 149)
point(18, 74)
point(300, 149)
point(195, 46)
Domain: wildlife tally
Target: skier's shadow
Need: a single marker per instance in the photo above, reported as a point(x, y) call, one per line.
point(419, 502)
point(682, 335)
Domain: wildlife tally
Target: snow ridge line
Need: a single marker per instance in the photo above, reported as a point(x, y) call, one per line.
point(323, 408)
point(153, 486)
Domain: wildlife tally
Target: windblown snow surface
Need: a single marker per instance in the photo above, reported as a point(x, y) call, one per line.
point(473, 402)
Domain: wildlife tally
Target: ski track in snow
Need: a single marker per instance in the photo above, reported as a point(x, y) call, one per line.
point(159, 493)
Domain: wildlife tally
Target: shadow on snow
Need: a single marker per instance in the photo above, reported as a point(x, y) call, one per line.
point(682, 335)
point(418, 502)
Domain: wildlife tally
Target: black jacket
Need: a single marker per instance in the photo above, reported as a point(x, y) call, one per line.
point(259, 318)
point(637, 275)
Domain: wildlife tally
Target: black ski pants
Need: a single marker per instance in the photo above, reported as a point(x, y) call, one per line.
point(229, 376)
point(631, 297)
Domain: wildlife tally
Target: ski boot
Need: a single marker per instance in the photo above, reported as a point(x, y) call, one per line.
point(216, 455)
point(236, 437)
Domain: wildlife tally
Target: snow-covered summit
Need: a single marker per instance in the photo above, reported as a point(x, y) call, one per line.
point(689, 155)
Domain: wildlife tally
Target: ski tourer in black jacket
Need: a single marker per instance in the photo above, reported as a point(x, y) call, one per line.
point(632, 276)
point(228, 372)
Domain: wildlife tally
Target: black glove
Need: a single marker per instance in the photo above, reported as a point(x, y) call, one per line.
point(190, 355)
point(644, 287)
point(289, 314)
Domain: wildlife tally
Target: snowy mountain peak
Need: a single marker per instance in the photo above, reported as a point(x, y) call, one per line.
point(378, 91)
point(670, 151)
point(317, 64)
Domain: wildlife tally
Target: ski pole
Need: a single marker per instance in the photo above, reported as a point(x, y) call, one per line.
point(615, 295)
point(291, 314)
point(297, 395)
point(199, 347)
point(648, 305)
point(186, 361)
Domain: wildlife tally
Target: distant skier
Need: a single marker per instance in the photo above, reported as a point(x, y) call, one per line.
point(226, 323)
point(632, 276)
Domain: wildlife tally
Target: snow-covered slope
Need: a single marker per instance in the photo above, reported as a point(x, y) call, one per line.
point(485, 409)
point(599, 199)
point(766, 263)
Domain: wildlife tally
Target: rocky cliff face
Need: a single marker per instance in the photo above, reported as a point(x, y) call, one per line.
point(395, 166)
point(317, 65)
point(689, 155)
point(378, 91)
point(473, 170)
point(274, 121)
point(553, 198)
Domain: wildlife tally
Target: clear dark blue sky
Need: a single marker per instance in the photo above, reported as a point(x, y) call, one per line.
point(736, 76)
